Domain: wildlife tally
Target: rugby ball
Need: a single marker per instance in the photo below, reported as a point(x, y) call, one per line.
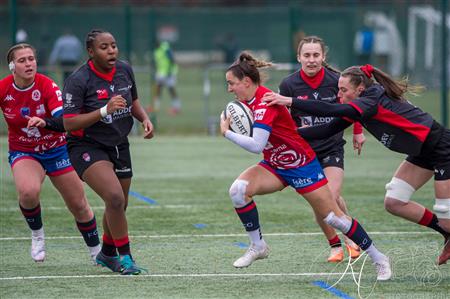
point(241, 118)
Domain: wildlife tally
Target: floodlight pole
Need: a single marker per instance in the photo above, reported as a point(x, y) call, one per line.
point(444, 64)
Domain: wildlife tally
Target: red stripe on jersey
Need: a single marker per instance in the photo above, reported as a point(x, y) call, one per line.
point(77, 133)
point(250, 207)
point(314, 81)
point(387, 116)
point(108, 76)
point(356, 107)
point(352, 229)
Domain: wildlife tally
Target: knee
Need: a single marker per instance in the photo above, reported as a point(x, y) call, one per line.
point(80, 208)
point(115, 201)
point(398, 194)
point(28, 194)
point(442, 209)
point(238, 192)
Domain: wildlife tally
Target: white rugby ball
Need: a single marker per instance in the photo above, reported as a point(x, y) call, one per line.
point(241, 118)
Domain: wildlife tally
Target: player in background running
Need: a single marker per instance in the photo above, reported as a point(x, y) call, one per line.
point(32, 108)
point(288, 160)
point(317, 81)
point(377, 101)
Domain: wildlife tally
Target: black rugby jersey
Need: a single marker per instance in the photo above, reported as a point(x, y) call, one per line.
point(86, 91)
point(398, 125)
point(294, 86)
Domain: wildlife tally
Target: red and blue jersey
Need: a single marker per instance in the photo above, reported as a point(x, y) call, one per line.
point(285, 148)
point(42, 99)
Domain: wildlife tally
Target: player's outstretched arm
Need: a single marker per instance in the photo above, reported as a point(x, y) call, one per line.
point(325, 130)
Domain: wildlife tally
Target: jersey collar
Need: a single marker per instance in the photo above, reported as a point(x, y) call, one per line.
point(108, 76)
point(314, 81)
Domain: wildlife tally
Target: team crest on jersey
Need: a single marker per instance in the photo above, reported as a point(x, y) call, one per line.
point(25, 111)
point(9, 98)
point(86, 157)
point(36, 95)
point(102, 94)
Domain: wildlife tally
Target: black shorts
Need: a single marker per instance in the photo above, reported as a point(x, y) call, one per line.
point(83, 153)
point(331, 158)
point(437, 160)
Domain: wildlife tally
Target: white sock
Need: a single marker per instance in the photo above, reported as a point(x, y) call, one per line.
point(93, 251)
point(375, 254)
point(38, 232)
point(256, 238)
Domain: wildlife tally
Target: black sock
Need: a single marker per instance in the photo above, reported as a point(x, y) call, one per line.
point(249, 216)
point(89, 232)
point(108, 247)
point(33, 216)
point(123, 246)
point(358, 235)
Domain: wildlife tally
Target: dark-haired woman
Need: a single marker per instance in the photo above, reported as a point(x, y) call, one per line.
point(288, 160)
point(317, 81)
point(100, 101)
point(32, 108)
point(377, 101)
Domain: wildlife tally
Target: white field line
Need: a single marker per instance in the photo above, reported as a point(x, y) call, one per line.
point(16, 209)
point(215, 235)
point(200, 275)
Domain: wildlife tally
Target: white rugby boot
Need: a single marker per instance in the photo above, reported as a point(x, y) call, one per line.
point(252, 254)
point(383, 268)
point(38, 245)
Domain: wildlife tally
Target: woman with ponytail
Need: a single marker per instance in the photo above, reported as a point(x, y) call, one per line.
point(377, 101)
point(288, 161)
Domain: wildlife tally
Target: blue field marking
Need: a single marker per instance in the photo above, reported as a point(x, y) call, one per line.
point(143, 198)
point(334, 291)
point(240, 244)
point(200, 225)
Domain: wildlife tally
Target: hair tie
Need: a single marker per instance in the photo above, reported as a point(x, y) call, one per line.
point(367, 69)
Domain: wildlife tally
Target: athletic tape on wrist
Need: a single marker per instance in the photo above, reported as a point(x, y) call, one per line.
point(104, 111)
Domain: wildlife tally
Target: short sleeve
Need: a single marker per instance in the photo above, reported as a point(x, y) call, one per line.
point(73, 96)
point(53, 99)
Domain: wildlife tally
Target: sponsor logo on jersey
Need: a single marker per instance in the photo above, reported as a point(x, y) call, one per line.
point(316, 95)
point(386, 139)
point(111, 87)
point(9, 115)
point(322, 120)
point(305, 97)
point(102, 94)
point(86, 157)
point(59, 95)
point(63, 163)
point(300, 182)
point(124, 169)
point(9, 98)
point(36, 95)
point(40, 110)
point(126, 88)
point(32, 132)
point(259, 113)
